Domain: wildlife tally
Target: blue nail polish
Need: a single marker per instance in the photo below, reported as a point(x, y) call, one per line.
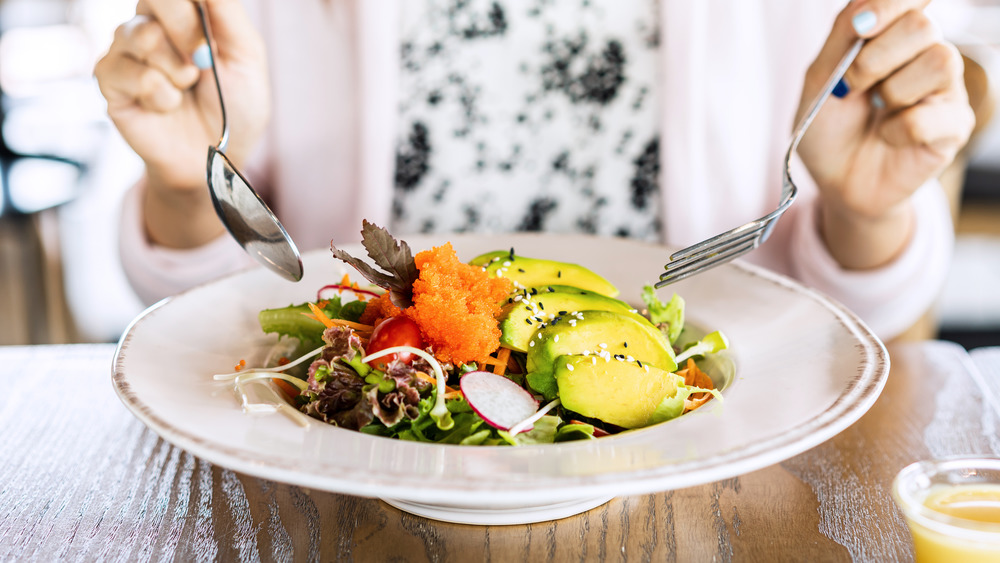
point(202, 57)
point(841, 89)
point(863, 22)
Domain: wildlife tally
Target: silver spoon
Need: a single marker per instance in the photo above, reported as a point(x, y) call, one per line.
point(247, 218)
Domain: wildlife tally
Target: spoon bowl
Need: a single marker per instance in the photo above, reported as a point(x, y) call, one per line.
point(240, 208)
point(249, 220)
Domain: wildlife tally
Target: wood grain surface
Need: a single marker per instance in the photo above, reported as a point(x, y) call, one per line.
point(82, 479)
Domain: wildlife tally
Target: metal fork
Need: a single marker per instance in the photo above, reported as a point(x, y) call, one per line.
point(726, 246)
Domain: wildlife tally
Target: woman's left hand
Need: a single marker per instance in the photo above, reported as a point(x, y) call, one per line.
point(902, 117)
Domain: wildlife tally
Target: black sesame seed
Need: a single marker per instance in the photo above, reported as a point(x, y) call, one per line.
point(527, 321)
point(541, 305)
point(512, 253)
point(534, 291)
point(561, 313)
point(559, 274)
point(520, 270)
point(625, 344)
point(551, 289)
point(638, 362)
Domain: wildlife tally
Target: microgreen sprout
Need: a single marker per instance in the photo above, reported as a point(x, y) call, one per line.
point(530, 421)
point(440, 412)
point(275, 369)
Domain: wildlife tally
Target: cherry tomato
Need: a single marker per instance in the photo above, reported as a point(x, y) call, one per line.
point(394, 331)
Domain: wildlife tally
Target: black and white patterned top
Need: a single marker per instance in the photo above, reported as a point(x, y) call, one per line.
point(529, 115)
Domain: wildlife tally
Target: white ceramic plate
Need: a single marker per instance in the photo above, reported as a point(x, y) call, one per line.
point(805, 369)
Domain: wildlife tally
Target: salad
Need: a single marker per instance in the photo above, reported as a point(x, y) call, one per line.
point(502, 350)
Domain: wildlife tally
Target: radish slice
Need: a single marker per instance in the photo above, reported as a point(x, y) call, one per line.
point(498, 400)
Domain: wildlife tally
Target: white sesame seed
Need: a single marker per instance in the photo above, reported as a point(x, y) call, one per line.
point(593, 360)
point(556, 338)
point(506, 264)
point(603, 345)
point(646, 367)
point(532, 343)
point(630, 358)
point(586, 352)
point(569, 367)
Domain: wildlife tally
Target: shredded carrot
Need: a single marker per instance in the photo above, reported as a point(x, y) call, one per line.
point(693, 376)
point(503, 354)
point(356, 326)
point(491, 361)
point(448, 391)
point(320, 316)
point(452, 394)
point(287, 388)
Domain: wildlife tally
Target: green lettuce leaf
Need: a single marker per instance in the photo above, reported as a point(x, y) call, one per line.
point(669, 316)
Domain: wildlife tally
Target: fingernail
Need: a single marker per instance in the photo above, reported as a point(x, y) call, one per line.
point(877, 101)
point(841, 89)
point(863, 22)
point(202, 57)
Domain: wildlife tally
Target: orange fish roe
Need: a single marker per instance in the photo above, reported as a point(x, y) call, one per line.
point(456, 306)
point(379, 308)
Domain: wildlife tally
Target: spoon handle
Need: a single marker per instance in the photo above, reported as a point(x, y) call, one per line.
point(224, 138)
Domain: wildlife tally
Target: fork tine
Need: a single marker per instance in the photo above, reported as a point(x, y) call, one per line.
point(695, 267)
point(677, 259)
point(728, 253)
point(718, 240)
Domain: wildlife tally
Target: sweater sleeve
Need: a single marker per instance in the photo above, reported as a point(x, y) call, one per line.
point(156, 272)
point(891, 298)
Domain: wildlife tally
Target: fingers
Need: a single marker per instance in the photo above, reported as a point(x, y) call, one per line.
point(143, 67)
point(867, 19)
point(144, 40)
point(230, 23)
point(179, 21)
point(941, 124)
point(938, 69)
point(896, 46)
point(133, 82)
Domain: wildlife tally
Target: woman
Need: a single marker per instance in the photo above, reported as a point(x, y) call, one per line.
point(660, 120)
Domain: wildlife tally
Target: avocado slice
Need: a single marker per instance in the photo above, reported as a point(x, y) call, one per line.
point(607, 334)
point(534, 308)
point(622, 393)
point(533, 272)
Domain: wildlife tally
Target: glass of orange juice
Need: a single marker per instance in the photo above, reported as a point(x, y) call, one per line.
point(952, 506)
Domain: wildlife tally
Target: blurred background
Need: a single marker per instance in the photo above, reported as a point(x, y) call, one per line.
point(63, 170)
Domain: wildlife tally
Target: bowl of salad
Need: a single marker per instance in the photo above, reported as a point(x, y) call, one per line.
point(497, 379)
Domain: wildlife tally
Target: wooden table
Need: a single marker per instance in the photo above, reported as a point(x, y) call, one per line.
point(81, 478)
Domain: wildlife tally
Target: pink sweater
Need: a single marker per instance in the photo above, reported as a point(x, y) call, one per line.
point(735, 71)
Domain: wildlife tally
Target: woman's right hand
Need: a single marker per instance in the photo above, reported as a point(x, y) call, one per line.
point(167, 109)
